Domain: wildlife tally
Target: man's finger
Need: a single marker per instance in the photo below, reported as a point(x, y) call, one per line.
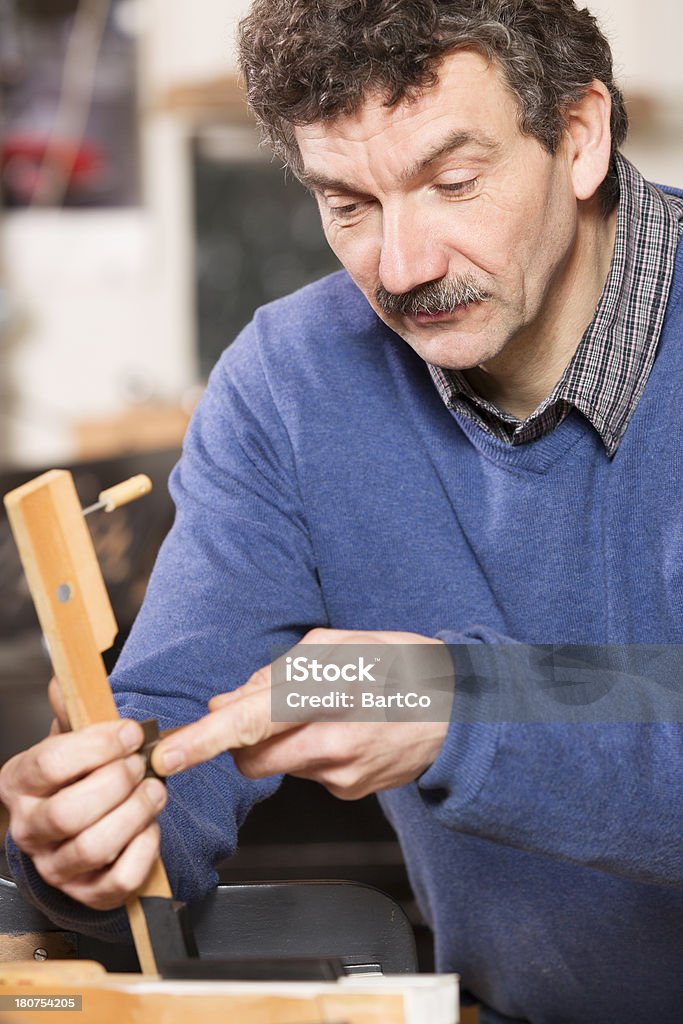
point(296, 752)
point(243, 722)
point(60, 760)
point(261, 680)
point(58, 706)
point(78, 806)
point(110, 888)
point(100, 845)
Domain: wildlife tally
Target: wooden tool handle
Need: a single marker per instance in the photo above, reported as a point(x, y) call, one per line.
point(130, 490)
point(76, 616)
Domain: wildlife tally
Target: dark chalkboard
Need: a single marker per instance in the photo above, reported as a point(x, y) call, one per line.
point(258, 237)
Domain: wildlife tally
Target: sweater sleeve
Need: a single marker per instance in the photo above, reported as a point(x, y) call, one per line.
point(235, 582)
point(574, 752)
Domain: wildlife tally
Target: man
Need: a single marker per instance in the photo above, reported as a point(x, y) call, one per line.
point(471, 436)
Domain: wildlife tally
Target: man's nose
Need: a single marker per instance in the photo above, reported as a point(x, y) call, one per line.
point(412, 253)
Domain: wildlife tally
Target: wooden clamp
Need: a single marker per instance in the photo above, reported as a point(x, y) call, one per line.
point(78, 622)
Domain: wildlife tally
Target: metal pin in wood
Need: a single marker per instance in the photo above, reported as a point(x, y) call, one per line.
point(121, 494)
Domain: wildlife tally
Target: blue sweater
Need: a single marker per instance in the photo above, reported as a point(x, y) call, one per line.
point(324, 482)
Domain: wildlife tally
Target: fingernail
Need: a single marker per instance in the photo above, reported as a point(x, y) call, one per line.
point(156, 791)
point(131, 736)
point(137, 765)
point(172, 760)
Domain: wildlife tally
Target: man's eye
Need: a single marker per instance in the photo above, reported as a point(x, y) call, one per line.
point(459, 188)
point(345, 210)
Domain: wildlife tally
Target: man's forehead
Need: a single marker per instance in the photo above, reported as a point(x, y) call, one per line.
point(451, 142)
point(468, 108)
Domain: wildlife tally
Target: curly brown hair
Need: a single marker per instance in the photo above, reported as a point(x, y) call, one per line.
point(310, 60)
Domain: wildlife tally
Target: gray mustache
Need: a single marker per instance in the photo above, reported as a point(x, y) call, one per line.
point(442, 296)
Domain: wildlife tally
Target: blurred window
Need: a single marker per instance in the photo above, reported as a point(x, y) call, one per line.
point(68, 80)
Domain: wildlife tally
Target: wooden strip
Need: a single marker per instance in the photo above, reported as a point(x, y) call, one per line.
point(143, 941)
point(76, 617)
point(46, 518)
point(122, 494)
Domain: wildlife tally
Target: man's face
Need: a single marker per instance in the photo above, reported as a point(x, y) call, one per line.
point(458, 229)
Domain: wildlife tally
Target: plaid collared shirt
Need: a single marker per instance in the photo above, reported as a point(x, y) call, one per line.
point(609, 369)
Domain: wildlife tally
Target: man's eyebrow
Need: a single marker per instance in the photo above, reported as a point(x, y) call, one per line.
point(455, 140)
point(322, 183)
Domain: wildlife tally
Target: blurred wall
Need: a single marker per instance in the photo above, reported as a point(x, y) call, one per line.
point(645, 41)
point(195, 41)
point(104, 300)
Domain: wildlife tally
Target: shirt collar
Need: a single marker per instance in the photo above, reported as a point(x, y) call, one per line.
point(609, 370)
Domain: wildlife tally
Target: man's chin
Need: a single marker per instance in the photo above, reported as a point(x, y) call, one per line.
point(453, 340)
point(449, 349)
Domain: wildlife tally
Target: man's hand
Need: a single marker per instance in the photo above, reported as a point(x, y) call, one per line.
point(80, 809)
point(351, 759)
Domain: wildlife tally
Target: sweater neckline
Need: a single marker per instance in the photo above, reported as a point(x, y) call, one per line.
point(537, 456)
point(432, 420)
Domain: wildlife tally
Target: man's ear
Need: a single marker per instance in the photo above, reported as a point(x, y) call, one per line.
point(589, 139)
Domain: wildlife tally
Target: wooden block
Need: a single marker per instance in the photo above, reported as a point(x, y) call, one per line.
point(112, 999)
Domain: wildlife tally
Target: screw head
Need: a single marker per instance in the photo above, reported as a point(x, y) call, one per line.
point(40, 954)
